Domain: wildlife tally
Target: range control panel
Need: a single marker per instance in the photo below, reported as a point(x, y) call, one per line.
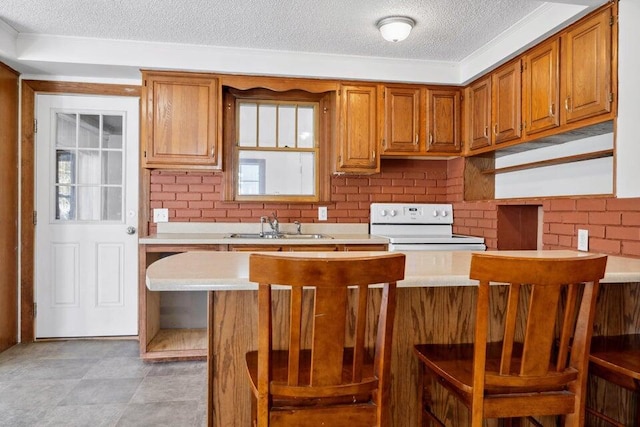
point(411, 213)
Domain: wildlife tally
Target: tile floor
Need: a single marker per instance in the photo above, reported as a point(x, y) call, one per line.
point(97, 383)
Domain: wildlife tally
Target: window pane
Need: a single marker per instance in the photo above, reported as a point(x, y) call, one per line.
point(112, 132)
point(251, 175)
point(247, 128)
point(89, 132)
point(88, 167)
point(112, 204)
point(306, 128)
point(285, 173)
point(112, 167)
point(267, 125)
point(88, 203)
point(287, 126)
point(65, 200)
point(65, 130)
point(65, 164)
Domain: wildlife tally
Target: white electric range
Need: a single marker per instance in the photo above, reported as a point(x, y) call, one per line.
point(419, 227)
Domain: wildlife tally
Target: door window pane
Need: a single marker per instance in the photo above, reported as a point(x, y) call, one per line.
point(65, 130)
point(89, 131)
point(112, 132)
point(112, 167)
point(112, 203)
point(89, 165)
point(65, 203)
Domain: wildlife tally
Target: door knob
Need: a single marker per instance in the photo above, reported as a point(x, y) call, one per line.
point(131, 230)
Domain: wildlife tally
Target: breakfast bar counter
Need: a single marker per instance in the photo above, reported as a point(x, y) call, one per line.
point(435, 303)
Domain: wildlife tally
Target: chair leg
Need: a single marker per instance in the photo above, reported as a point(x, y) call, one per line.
point(426, 417)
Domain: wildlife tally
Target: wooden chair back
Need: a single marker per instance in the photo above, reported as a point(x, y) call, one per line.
point(561, 302)
point(319, 373)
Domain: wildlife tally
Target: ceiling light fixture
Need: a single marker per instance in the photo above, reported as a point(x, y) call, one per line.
point(395, 28)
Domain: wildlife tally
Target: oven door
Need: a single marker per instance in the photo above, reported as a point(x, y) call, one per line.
point(406, 247)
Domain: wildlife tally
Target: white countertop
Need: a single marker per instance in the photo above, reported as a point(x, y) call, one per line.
point(225, 271)
point(218, 234)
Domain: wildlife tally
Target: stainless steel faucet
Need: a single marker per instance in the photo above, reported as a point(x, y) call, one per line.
point(298, 226)
point(274, 223)
point(263, 219)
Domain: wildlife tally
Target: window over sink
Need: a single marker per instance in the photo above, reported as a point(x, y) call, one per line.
point(277, 143)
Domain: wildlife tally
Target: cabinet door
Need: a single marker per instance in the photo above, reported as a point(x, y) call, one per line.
point(541, 90)
point(443, 121)
point(180, 127)
point(586, 71)
point(507, 103)
point(401, 120)
point(359, 135)
point(480, 113)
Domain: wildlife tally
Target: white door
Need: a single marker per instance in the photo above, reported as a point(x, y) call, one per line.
point(87, 211)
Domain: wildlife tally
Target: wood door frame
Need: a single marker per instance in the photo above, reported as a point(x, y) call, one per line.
point(29, 90)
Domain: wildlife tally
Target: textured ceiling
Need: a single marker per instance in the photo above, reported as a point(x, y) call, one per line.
point(446, 30)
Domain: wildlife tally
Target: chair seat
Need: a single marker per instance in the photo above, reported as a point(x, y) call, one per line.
point(279, 363)
point(617, 359)
point(454, 364)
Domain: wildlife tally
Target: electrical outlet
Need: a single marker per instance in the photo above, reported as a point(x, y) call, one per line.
point(161, 215)
point(322, 213)
point(583, 240)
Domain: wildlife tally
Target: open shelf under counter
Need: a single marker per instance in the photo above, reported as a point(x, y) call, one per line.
point(179, 344)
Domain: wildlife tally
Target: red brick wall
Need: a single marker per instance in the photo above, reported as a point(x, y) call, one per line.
point(613, 224)
point(197, 196)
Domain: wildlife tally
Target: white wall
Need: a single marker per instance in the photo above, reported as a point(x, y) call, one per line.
point(578, 178)
point(628, 134)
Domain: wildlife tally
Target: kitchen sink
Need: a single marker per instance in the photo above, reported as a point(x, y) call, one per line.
point(277, 236)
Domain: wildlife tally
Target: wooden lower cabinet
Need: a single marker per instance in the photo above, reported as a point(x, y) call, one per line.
point(173, 325)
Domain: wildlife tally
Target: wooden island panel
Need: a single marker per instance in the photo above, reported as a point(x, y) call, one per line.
point(429, 314)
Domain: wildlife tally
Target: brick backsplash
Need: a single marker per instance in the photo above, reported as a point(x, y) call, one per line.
point(613, 224)
point(197, 196)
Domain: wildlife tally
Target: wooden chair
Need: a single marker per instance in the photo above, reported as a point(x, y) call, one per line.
point(326, 384)
point(617, 360)
point(521, 375)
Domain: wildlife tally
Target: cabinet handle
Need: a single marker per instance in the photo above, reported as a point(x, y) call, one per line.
point(213, 151)
point(486, 131)
point(495, 129)
point(430, 137)
point(566, 103)
point(416, 141)
point(552, 110)
point(373, 154)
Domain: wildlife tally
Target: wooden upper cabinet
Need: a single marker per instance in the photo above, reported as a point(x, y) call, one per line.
point(443, 120)
point(541, 89)
point(401, 120)
point(506, 105)
point(180, 121)
point(358, 130)
point(480, 113)
point(586, 69)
